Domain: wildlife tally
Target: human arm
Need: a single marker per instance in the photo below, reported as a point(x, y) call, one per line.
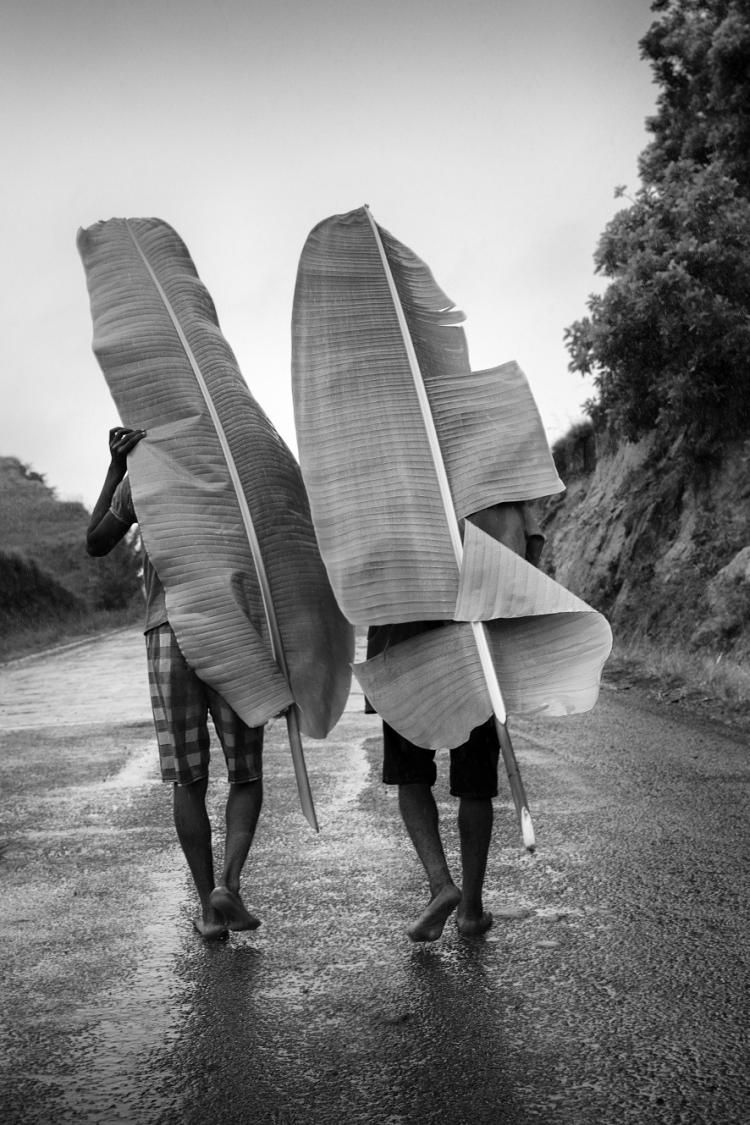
point(106, 529)
point(513, 524)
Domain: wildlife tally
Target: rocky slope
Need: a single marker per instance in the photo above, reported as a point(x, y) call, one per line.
point(659, 543)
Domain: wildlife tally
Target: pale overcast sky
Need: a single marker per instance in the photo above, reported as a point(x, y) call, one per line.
point(488, 135)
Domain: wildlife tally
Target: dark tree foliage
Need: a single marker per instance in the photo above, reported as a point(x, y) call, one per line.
point(28, 592)
point(668, 342)
point(116, 582)
point(52, 534)
point(699, 52)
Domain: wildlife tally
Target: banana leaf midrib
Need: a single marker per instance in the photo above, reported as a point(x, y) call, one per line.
point(274, 634)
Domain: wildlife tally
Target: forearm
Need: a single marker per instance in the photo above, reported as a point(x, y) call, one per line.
point(115, 473)
point(106, 529)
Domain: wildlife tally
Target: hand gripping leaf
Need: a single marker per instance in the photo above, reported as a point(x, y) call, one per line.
point(399, 442)
point(220, 501)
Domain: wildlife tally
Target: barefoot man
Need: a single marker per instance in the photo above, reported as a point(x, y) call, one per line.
point(473, 770)
point(418, 471)
point(181, 704)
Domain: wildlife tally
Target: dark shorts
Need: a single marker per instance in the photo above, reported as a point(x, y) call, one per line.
point(473, 769)
point(181, 704)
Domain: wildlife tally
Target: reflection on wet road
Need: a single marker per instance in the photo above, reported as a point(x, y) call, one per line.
point(93, 682)
point(610, 989)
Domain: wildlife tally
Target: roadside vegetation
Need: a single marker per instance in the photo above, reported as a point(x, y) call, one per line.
point(40, 634)
point(667, 347)
point(715, 686)
point(51, 592)
point(667, 344)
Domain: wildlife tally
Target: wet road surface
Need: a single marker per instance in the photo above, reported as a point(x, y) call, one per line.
point(612, 989)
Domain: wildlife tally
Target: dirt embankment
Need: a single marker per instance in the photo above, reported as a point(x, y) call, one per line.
point(659, 544)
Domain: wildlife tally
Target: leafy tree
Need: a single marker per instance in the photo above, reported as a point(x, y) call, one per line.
point(115, 580)
point(29, 593)
point(668, 342)
point(700, 56)
point(51, 533)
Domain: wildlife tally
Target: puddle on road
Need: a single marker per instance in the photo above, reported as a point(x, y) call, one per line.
point(352, 778)
point(130, 1023)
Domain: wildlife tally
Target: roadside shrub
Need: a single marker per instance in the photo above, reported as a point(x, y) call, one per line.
point(574, 453)
point(27, 591)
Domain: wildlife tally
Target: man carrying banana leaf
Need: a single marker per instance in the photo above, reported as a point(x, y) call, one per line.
point(473, 769)
point(401, 444)
point(181, 703)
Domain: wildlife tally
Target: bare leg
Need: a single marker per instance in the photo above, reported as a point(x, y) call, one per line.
point(243, 809)
point(475, 818)
point(194, 833)
point(420, 815)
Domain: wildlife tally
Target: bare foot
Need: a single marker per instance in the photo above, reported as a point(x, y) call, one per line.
point(232, 909)
point(429, 925)
point(474, 927)
point(210, 931)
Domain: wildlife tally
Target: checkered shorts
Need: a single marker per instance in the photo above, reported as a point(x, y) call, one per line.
point(181, 704)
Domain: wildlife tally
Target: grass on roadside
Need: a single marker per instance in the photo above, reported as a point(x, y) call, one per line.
point(711, 681)
point(24, 637)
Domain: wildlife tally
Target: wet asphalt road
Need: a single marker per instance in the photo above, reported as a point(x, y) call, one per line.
point(612, 989)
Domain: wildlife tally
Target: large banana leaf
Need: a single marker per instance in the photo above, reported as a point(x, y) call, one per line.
point(219, 497)
point(433, 690)
point(364, 448)
point(398, 441)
